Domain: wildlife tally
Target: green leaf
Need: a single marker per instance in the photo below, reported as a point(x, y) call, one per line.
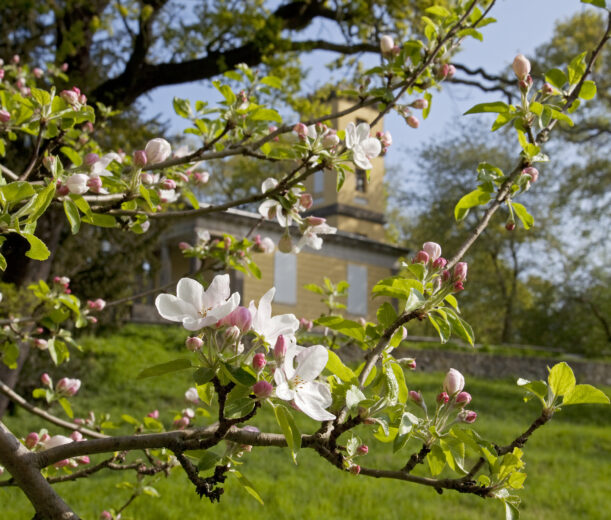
point(438, 10)
point(337, 367)
point(503, 119)
point(460, 327)
point(525, 217)
point(73, 215)
point(66, 406)
point(396, 287)
point(386, 315)
point(282, 417)
point(561, 379)
point(436, 460)
point(400, 377)
point(272, 81)
point(165, 368)
point(414, 301)
point(151, 491)
point(100, 220)
point(585, 394)
point(207, 460)
point(442, 326)
point(266, 114)
point(202, 375)
point(596, 3)
point(16, 191)
point(429, 98)
point(538, 388)
point(238, 375)
point(354, 396)
point(511, 512)
point(471, 32)
point(182, 107)
point(226, 91)
point(577, 68)
point(588, 90)
point(38, 250)
point(556, 77)
point(349, 328)
point(71, 154)
point(497, 107)
point(246, 484)
point(477, 197)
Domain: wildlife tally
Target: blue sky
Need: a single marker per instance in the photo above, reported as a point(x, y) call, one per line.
point(522, 26)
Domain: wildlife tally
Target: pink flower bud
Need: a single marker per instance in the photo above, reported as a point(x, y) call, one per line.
point(280, 349)
point(446, 276)
point(31, 440)
point(440, 263)
point(41, 344)
point(315, 221)
point(306, 201)
point(330, 140)
point(451, 71)
point(153, 415)
point(362, 322)
point(105, 515)
point(443, 398)
point(259, 361)
point(460, 272)
point(168, 184)
point(355, 469)
point(525, 83)
point(387, 44)
point(76, 436)
point(140, 159)
point(83, 459)
point(94, 183)
point(415, 396)
point(468, 416)
point(69, 96)
point(262, 389)
point(420, 104)
point(306, 324)
point(413, 121)
point(463, 398)
point(533, 172)
point(194, 343)
point(521, 66)
point(16, 59)
point(201, 177)
point(182, 423)
point(232, 334)
point(4, 116)
point(458, 286)
point(422, 257)
point(454, 382)
point(68, 386)
point(88, 127)
point(1, 74)
point(91, 158)
point(444, 71)
point(44, 438)
point(77, 183)
point(511, 225)
point(433, 249)
point(157, 150)
point(301, 130)
point(363, 449)
point(45, 379)
point(547, 89)
point(183, 246)
point(409, 363)
point(61, 463)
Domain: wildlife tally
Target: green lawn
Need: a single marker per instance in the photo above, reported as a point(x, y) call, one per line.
point(568, 461)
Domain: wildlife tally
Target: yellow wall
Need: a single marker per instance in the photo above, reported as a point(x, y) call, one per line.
point(311, 268)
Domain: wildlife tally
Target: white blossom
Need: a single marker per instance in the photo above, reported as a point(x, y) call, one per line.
point(363, 147)
point(268, 327)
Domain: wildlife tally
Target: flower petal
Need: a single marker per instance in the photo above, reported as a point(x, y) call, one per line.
point(217, 292)
point(284, 392)
point(362, 132)
point(311, 362)
point(174, 309)
point(220, 311)
point(372, 147)
point(285, 324)
point(268, 184)
point(312, 400)
point(192, 292)
point(351, 139)
point(361, 160)
point(263, 312)
point(266, 206)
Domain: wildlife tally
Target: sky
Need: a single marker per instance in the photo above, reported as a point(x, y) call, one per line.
point(522, 26)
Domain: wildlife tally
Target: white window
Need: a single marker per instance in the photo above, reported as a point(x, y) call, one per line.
point(357, 293)
point(319, 181)
point(285, 278)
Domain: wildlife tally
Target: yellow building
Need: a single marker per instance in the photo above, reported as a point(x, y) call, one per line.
point(358, 252)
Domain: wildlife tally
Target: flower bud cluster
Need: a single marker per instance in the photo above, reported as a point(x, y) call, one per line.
point(67, 387)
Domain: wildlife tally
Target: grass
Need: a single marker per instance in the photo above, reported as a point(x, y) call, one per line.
point(568, 461)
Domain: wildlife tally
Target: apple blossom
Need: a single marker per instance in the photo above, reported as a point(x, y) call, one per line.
point(521, 66)
point(363, 449)
point(420, 104)
point(201, 177)
point(433, 249)
point(299, 384)
point(41, 344)
point(443, 398)
point(415, 396)
point(77, 183)
point(90, 159)
point(532, 172)
point(45, 379)
point(168, 184)
point(310, 236)
point(468, 416)
point(330, 139)
point(195, 306)
point(191, 395)
point(271, 327)
point(76, 436)
point(440, 263)
point(55, 441)
point(355, 469)
point(460, 272)
point(422, 257)
point(363, 147)
point(454, 382)
point(154, 414)
point(68, 386)
point(157, 150)
point(4, 116)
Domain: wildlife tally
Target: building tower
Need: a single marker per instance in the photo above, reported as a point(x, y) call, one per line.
point(359, 206)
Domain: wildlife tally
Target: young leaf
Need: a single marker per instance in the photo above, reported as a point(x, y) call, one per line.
point(561, 379)
point(477, 197)
point(66, 406)
point(73, 215)
point(497, 107)
point(38, 250)
point(337, 367)
point(525, 217)
point(246, 484)
point(585, 394)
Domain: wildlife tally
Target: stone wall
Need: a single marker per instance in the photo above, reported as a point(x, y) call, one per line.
point(497, 366)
